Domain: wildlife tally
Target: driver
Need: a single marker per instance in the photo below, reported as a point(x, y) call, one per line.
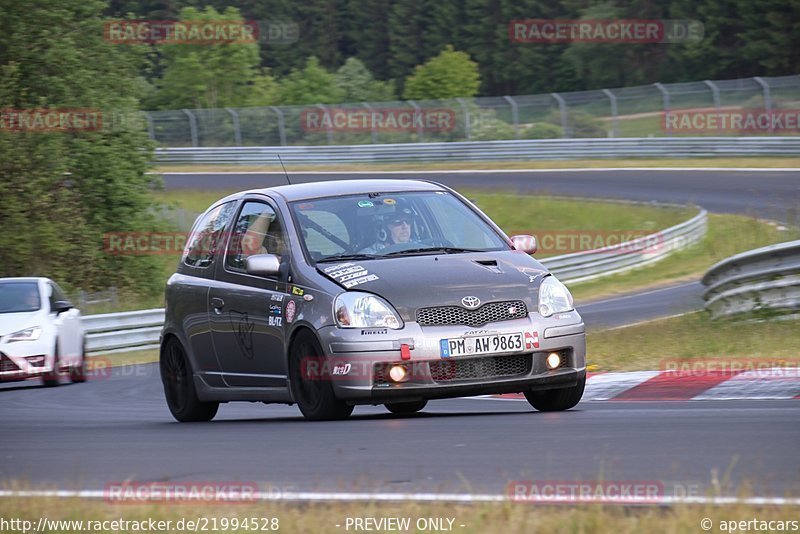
point(396, 229)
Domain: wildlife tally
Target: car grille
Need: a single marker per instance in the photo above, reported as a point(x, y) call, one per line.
point(491, 312)
point(6, 364)
point(477, 368)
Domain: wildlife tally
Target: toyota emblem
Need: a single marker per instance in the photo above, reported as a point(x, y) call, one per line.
point(470, 302)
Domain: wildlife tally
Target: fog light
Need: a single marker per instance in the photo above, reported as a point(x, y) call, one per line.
point(397, 373)
point(553, 360)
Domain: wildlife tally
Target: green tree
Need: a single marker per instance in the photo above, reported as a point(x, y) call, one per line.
point(310, 85)
point(206, 75)
point(62, 190)
point(450, 74)
point(358, 85)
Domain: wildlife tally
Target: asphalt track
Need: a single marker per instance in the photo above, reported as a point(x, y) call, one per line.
point(105, 431)
point(768, 194)
point(89, 435)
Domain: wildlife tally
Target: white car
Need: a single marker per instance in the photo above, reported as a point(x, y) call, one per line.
point(40, 332)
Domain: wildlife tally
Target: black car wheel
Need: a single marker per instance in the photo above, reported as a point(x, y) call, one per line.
point(556, 400)
point(53, 378)
point(311, 389)
point(406, 407)
point(176, 375)
point(78, 373)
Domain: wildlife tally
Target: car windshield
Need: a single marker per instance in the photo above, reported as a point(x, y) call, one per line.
point(16, 297)
point(379, 225)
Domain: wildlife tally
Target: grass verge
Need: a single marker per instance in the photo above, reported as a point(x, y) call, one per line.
point(763, 162)
point(507, 518)
point(652, 345)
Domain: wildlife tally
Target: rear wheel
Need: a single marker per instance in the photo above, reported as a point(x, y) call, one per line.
point(53, 378)
point(176, 375)
point(556, 400)
point(77, 373)
point(406, 407)
point(312, 390)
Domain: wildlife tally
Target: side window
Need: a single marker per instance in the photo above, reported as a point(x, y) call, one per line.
point(257, 231)
point(207, 235)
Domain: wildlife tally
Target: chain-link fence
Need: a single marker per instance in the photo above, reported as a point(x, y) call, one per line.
point(750, 106)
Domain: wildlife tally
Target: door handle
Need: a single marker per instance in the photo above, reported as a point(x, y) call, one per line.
point(217, 303)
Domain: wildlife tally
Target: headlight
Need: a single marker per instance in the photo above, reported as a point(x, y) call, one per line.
point(362, 310)
point(554, 297)
point(29, 334)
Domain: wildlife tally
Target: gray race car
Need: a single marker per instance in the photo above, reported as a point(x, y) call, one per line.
point(339, 293)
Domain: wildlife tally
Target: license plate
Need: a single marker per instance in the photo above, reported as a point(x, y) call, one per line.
point(470, 346)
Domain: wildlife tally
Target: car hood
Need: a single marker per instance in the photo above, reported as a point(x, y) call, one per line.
point(13, 322)
point(412, 282)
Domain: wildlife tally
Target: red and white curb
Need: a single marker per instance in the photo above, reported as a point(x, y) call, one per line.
point(762, 384)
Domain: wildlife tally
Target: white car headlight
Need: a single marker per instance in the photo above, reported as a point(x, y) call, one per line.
point(554, 297)
point(29, 334)
point(363, 310)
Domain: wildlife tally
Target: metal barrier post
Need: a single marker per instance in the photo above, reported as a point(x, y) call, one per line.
point(151, 131)
point(237, 134)
point(420, 131)
point(372, 122)
point(330, 123)
point(281, 125)
point(514, 114)
point(615, 117)
point(715, 96)
point(562, 106)
point(467, 119)
point(665, 96)
point(767, 99)
point(192, 126)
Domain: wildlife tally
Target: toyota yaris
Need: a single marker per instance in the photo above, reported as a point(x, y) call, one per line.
point(340, 293)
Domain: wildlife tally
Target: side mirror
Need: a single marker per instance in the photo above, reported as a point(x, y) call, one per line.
point(524, 243)
point(262, 265)
point(61, 306)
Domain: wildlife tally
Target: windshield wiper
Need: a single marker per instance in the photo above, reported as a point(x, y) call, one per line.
point(446, 250)
point(348, 257)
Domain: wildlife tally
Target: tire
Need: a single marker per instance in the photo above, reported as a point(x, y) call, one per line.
point(78, 373)
point(314, 397)
point(179, 390)
point(556, 400)
point(53, 378)
point(405, 408)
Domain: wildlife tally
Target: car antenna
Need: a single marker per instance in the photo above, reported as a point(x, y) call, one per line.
point(284, 169)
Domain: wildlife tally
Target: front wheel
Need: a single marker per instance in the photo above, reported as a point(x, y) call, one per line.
point(53, 378)
point(312, 390)
point(404, 408)
point(78, 373)
point(556, 400)
point(176, 375)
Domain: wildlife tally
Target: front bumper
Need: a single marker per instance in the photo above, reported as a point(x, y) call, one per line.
point(357, 361)
point(24, 359)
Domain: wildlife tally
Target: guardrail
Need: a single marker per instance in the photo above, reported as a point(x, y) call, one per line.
point(592, 264)
point(766, 278)
point(662, 147)
point(139, 330)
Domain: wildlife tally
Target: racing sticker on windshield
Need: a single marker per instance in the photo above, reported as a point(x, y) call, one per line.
point(389, 201)
point(531, 340)
point(349, 274)
point(365, 204)
point(291, 308)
